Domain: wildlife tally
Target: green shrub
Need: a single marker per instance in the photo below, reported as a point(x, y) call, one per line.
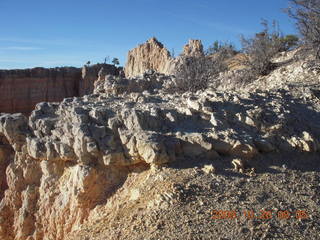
point(226, 49)
point(289, 42)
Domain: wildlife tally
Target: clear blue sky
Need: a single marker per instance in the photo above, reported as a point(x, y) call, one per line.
point(51, 33)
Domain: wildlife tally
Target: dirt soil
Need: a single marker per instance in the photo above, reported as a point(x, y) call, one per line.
point(185, 200)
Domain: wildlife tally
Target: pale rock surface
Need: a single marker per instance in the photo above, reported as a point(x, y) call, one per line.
point(67, 161)
point(151, 55)
point(193, 48)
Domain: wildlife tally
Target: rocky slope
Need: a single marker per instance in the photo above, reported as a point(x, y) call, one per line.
point(23, 89)
point(134, 162)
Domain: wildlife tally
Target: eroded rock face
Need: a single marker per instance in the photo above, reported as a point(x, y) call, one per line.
point(21, 90)
point(150, 81)
point(6, 156)
point(151, 55)
point(89, 75)
point(67, 159)
point(193, 48)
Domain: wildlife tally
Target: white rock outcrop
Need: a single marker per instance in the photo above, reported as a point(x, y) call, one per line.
point(149, 56)
point(152, 55)
point(67, 158)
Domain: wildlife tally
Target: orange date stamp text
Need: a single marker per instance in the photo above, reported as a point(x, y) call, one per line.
point(262, 214)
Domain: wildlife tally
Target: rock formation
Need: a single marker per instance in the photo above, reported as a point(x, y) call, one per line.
point(23, 89)
point(193, 48)
point(151, 55)
point(72, 163)
point(67, 159)
point(90, 75)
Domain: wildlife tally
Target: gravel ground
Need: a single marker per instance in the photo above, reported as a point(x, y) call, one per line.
point(280, 201)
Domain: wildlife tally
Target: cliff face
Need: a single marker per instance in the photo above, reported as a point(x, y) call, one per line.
point(21, 90)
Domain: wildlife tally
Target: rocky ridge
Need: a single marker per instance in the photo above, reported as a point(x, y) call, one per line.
point(69, 161)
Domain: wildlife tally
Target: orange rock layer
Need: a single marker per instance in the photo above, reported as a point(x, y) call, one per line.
point(21, 90)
